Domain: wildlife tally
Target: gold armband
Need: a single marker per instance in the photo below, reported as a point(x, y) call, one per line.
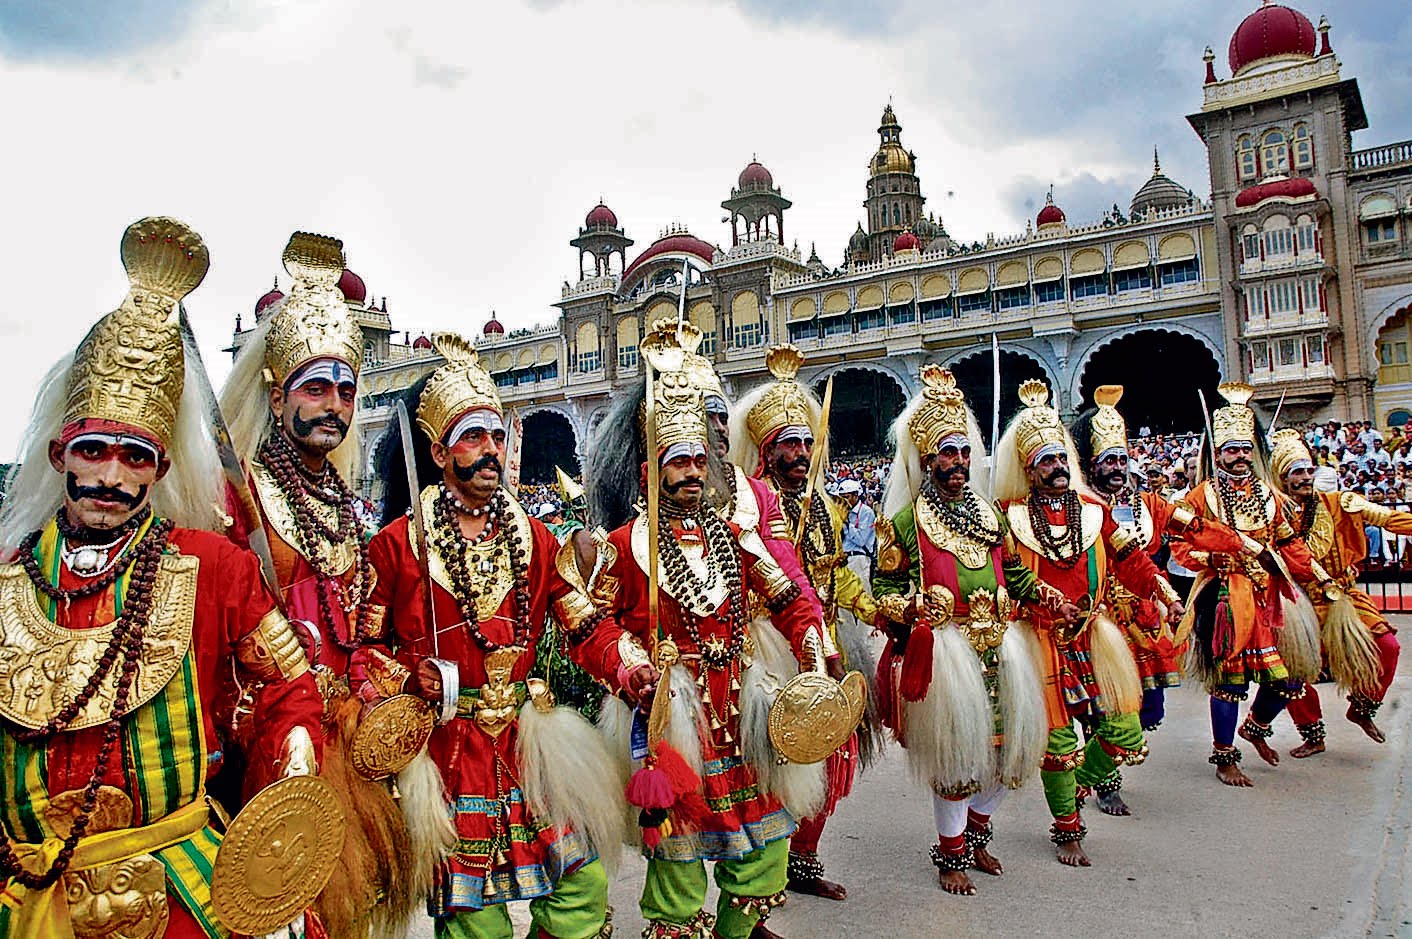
point(894, 607)
point(377, 620)
point(1125, 541)
point(940, 604)
point(1181, 519)
point(573, 611)
point(891, 558)
point(1374, 514)
point(811, 658)
point(1166, 593)
point(779, 530)
point(773, 581)
point(1050, 597)
point(631, 653)
point(271, 651)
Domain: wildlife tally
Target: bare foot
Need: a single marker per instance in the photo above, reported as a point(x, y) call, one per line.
point(1072, 854)
point(1307, 749)
point(1368, 726)
point(987, 863)
point(1232, 776)
point(1111, 803)
point(818, 887)
point(1262, 747)
point(956, 882)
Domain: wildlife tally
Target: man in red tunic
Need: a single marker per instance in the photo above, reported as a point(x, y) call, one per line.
point(122, 620)
point(1101, 436)
point(715, 663)
point(1067, 537)
point(535, 797)
point(290, 402)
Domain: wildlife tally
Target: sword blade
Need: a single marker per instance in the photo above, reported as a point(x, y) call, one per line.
point(419, 527)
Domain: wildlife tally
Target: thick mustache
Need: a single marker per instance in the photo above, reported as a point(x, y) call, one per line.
point(801, 463)
point(943, 476)
point(466, 473)
point(105, 493)
point(1055, 476)
point(674, 488)
point(304, 428)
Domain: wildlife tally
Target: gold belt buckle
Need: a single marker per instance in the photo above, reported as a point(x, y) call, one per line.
point(123, 900)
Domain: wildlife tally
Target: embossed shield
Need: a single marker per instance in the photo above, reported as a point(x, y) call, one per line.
point(277, 855)
point(813, 715)
point(390, 735)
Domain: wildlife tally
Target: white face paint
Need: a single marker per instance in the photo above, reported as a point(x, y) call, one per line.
point(1049, 449)
point(116, 440)
point(334, 371)
point(479, 419)
point(686, 448)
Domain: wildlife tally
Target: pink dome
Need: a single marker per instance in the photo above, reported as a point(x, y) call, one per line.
point(354, 290)
point(493, 328)
point(755, 176)
point(274, 296)
point(600, 216)
point(906, 242)
point(1271, 32)
point(682, 243)
point(1051, 214)
point(421, 342)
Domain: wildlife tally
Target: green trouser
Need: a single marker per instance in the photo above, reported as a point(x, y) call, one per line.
point(577, 909)
point(675, 890)
point(1124, 730)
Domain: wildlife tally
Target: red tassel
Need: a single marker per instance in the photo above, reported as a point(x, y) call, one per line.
point(917, 664)
point(689, 809)
point(1223, 635)
point(839, 772)
point(651, 838)
point(650, 788)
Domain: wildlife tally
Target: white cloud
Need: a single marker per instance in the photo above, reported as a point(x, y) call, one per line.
point(455, 148)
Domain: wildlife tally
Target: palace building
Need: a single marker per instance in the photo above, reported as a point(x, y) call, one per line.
point(1295, 274)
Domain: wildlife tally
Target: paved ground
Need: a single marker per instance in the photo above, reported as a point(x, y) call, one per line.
point(1319, 848)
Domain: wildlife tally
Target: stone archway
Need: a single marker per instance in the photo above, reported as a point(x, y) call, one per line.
point(1160, 371)
point(975, 375)
point(865, 403)
point(549, 442)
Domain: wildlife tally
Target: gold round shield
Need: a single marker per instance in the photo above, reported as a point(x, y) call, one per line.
point(277, 855)
point(390, 735)
point(813, 715)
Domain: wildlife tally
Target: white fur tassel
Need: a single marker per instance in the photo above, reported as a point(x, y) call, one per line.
point(615, 727)
point(686, 727)
point(1350, 649)
point(1298, 642)
point(568, 778)
point(1022, 712)
point(1119, 684)
point(801, 788)
point(949, 731)
point(426, 806)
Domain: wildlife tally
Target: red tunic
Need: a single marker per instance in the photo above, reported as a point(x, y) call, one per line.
point(742, 818)
point(503, 853)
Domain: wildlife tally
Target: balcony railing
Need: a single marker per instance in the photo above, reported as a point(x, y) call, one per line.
point(1388, 156)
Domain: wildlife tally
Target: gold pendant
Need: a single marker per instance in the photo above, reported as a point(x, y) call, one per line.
point(496, 707)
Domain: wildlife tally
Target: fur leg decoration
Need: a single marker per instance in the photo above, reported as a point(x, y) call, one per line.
point(615, 727)
point(1113, 667)
point(858, 657)
point(426, 807)
point(1298, 641)
point(1350, 650)
point(569, 779)
point(801, 788)
point(949, 731)
point(370, 892)
point(1025, 724)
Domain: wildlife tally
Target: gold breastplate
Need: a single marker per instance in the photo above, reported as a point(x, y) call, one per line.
point(969, 552)
point(336, 558)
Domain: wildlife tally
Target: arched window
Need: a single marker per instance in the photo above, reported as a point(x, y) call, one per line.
point(1274, 153)
point(1247, 165)
point(1303, 147)
point(1279, 238)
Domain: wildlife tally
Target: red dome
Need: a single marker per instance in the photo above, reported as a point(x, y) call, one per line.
point(683, 243)
point(421, 342)
point(268, 300)
point(755, 176)
point(493, 328)
point(1051, 214)
point(1273, 31)
point(1294, 188)
point(354, 290)
point(600, 215)
point(906, 242)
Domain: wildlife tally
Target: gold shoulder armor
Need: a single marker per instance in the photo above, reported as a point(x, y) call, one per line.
point(891, 558)
point(1354, 504)
point(1182, 517)
point(272, 651)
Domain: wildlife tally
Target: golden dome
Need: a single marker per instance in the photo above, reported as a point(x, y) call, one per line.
point(892, 158)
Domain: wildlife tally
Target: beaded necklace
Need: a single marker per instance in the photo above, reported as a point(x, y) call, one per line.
point(1066, 550)
point(453, 548)
point(126, 643)
point(301, 489)
point(965, 517)
point(723, 557)
point(1250, 503)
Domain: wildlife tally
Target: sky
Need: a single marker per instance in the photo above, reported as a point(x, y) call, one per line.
point(456, 147)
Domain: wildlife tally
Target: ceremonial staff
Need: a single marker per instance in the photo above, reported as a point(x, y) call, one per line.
point(816, 460)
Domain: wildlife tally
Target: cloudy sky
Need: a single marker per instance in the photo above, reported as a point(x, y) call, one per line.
point(455, 147)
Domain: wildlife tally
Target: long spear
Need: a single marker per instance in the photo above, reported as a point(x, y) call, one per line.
point(995, 389)
point(816, 460)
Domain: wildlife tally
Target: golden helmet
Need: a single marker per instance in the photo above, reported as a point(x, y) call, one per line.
point(130, 368)
point(787, 403)
point(1287, 452)
point(1039, 427)
point(456, 388)
point(942, 412)
point(1108, 431)
point(313, 322)
point(678, 397)
point(1234, 423)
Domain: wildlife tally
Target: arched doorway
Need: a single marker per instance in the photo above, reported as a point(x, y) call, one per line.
point(865, 403)
point(549, 442)
point(975, 375)
point(1160, 372)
